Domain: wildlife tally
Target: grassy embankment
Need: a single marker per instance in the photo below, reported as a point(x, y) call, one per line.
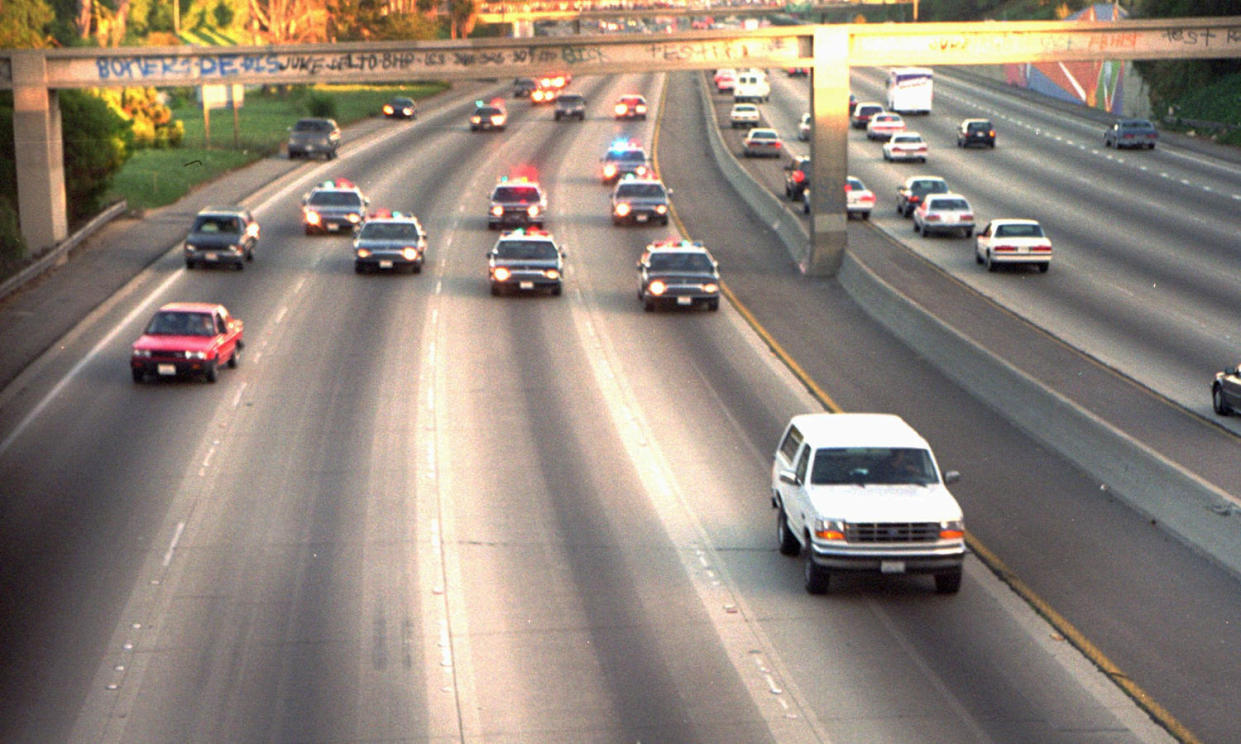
point(153, 178)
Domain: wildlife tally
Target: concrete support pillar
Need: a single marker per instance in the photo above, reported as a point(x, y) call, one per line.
point(40, 153)
point(829, 144)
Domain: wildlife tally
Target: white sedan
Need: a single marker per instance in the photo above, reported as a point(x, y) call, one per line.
point(744, 115)
point(859, 200)
point(882, 126)
point(905, 146)
point(762, 142)
point(944, 213)
point(804, 127)
point(1010, 241)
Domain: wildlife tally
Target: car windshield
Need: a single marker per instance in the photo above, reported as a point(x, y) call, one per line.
point(691, 262)
point(312, 125)
point(402, 102)
point(640, 190)
point(176, 323)
point(872, 465)
point(953, 205)
point(626, 156)
point(526, 249)
point(487, 111)
point(216, 224)
point(388, 231)
point(925, 187)
point(523, 194)
point(336, 199)
point(1019, 231)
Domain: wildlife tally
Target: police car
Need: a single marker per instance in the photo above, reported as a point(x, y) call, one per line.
point(389, 240)
point(333, 206)
point(517, 201)
point(488, 116)
point(625, 157)
point(639, 200)
point(525, 260)
point(678, 273)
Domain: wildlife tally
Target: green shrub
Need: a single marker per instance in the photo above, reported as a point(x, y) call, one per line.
point(321, 104)
point(98, 141)
point(12, 244)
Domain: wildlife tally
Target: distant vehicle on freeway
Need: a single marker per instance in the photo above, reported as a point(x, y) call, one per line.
point(976, 132)
point(389, 241)
point(805, 127)
point(570, 106)
point(910, 194)
point(187, 339)
point(905, 146)
point(630, 107)
point(1226, 391)
point(312, 136)
point(678, 273)
point(401, 107)
point(744, 115)
point(862, 113)
point(1013, 241)
point(639, 200)
point(883, 125)
point(944, 213)
point(488, 116)
point(797, 178)
point(910, 90)
point(762, 142)
point(859, 200)
point(1131, 133)
point(525, 260)
point(221, 235)
point(333, 206)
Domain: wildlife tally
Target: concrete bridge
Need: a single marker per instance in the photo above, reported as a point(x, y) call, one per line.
point(35, 76)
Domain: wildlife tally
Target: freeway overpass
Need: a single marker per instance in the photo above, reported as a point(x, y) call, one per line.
point(829, 50)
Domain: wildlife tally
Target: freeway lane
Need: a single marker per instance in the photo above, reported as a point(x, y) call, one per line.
point(1030, 524)
point(418, 512)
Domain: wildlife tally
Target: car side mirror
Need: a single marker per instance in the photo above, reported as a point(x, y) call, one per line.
point(789, 477)
point(951, 476)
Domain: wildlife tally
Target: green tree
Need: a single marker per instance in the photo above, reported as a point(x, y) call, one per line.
point(1172, 79)
point(98, 141)
point(25, 24)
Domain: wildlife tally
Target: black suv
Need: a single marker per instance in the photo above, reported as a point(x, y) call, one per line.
point(797, 178)
point(310, 136)
point(401, 108)
point(976, 132)
point(221, 235)
point(571, 105)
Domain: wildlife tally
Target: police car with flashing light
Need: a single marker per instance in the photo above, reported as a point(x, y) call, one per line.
point(333, 206)
point(678, 273)
point(518, 201)
point(389, 241)
point(639, 200)
point(525, 260)
point(488, 116)
point(623, 158)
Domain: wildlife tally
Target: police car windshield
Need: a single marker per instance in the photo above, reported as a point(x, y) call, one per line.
point(690, 262)
point(872, 465)
point(526, 249)
point(388, 230)
point(640, 190)
point(627, 156)
point(523, 194)
point(336, 199)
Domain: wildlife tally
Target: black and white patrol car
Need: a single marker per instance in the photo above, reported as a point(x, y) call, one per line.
point(678, 273)
point(526, 260)
point(389, 241)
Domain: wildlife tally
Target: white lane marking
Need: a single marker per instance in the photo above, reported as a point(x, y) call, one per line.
point(172, 546)
point(237, 398)
point(90, 356)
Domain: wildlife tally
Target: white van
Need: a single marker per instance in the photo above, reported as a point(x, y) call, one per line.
point(751, 85)
point(861, 492)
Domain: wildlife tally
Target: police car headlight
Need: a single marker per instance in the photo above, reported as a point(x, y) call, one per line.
point(622, 209)
point(609, 170)
point(711, 287)
point(661, 208)
point(410, 254)
point(354, 218)
point(313, 218)
point(497, 210)
point(552, 273)
point(533, 211)
point(657, 287)
point(501, 274)
point(364, 252)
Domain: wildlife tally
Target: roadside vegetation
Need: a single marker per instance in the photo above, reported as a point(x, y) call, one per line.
point(158, 176)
